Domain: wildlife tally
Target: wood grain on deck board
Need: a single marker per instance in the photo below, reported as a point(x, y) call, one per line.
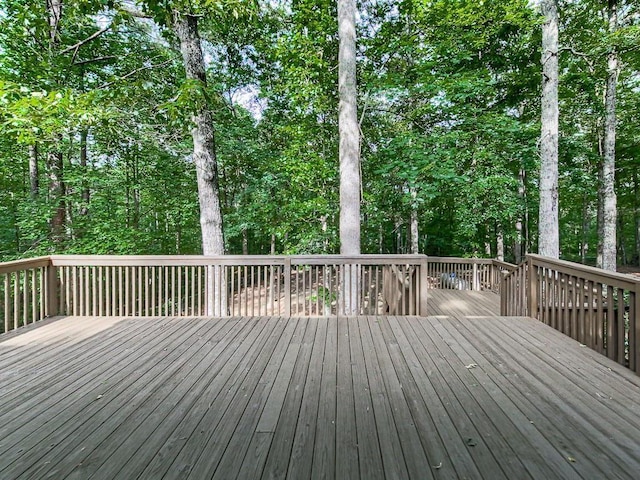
point(451, 396)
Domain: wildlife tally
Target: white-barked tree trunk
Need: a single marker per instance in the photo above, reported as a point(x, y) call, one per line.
point(349, 152)
point(548, 229)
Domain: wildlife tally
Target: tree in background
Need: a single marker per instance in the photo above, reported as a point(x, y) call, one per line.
point(548, 223)
point(607, 245)
point(449, 106)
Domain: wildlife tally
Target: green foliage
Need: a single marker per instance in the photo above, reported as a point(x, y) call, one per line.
point(449, 115)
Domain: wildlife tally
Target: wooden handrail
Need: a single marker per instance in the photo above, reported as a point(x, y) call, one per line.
point(25, 264)
point(598, 308)
point(180, 285)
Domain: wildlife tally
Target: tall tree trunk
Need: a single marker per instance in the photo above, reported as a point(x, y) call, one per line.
point(54, 156)
point(609, 211)
point(245, 242)
point(204, 156)
point(34, 176)
point(415, 234)
point(518, 245)
point(56, 195)
point(586, 222)
point(349, 152)
point(54, 12)
point(84, 210)
point(548, 230)
point(499, 243)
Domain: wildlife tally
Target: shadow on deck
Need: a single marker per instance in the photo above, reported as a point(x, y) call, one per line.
point(463, 393)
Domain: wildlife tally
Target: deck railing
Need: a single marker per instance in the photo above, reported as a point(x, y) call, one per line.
point(31, 290)
point(26, 295)
point(599, 309)
point(467, 273)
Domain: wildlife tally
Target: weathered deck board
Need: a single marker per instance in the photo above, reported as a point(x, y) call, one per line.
point(463, 303)
point(459, 395)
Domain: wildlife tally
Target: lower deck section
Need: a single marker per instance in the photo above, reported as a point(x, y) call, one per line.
point(450, 397)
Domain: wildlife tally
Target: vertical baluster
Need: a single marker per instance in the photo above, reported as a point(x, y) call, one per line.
point(621, 329)
point(109, 299)
point(100, 291)
point(147, 290)
point(154, 272)
point(236, 291)
point(260, 278)
point(192, 291)
point(172, 291)
point(40, 294)
point(611, 324)
point(16, 299)
point(166, 291)
point(91, 291)
point(26, 296)
point(179, 291)
point(579, 306)
point(7, 301)
point(599, 320)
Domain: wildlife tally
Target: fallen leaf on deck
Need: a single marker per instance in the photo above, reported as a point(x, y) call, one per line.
point(471, 365)
point(571, 459)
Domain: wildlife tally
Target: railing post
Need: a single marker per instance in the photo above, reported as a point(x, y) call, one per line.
point(51, 294)
point(532, 289)
point(287, 287)
point(474, 280)
point(424, 287)
point(504, 294)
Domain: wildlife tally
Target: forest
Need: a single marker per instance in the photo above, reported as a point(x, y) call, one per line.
point(97, 114)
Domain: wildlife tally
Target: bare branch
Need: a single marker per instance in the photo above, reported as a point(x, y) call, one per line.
point(86, 40)
point(134, 72)
point(97, 59)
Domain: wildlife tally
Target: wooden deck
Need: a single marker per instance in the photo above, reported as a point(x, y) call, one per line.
point(460, 395)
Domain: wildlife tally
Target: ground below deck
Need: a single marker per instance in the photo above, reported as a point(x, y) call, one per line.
point(379, 397)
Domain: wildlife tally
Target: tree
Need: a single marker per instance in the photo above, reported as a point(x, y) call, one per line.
point(607, 247)
point(185, 25)
point(548, 223)
point(349, 150)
